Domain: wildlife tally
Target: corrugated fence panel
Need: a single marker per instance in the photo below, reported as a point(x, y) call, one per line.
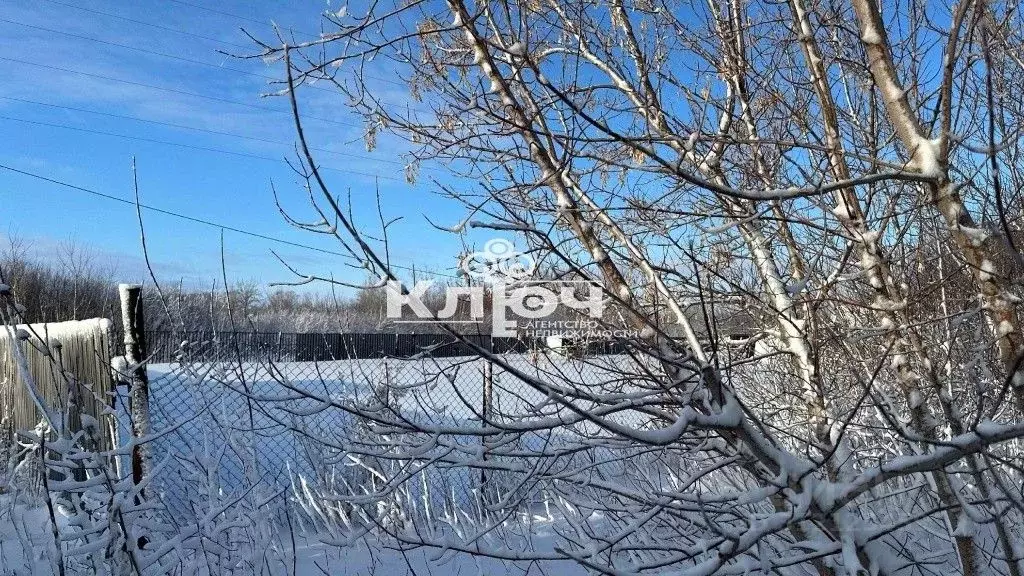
point(68, 363)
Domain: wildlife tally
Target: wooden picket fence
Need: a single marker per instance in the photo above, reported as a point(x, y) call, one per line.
point(69, 371)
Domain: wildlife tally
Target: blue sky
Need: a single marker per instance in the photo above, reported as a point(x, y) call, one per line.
point(65, 53)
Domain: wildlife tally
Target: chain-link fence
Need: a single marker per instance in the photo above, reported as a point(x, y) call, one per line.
point(238, 412)
point(168, 346)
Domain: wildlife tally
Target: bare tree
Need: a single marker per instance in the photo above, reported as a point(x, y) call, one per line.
point(834, 169)
point(71, 283)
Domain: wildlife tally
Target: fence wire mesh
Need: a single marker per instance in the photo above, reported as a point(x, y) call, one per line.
point(284, 412)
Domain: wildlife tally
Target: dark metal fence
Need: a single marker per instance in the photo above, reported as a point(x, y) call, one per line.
point(167, 346)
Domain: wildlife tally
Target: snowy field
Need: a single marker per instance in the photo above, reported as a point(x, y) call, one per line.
point(224, 432)
point(267, 423)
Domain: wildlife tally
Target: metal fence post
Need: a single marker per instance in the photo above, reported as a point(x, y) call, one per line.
point(488, 390)
point(486, 403)
point(134, 323)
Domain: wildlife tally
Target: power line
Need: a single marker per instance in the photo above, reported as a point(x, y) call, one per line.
point(144, 50)
point(188, 146)
point(197, 129)
point(149, 52)
point(197, 220)
point(239, 17)
point(150, 24)
point(169, 90)
point(170, 213)
point(189, 34)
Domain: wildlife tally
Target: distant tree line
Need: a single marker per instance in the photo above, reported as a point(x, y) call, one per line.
point(73, 282)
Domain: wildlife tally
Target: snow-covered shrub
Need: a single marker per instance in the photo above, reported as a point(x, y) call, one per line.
point(24, 468)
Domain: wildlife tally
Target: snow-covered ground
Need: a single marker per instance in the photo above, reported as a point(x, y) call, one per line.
point(253, 412)
point(224, 431)
point(26, 549)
